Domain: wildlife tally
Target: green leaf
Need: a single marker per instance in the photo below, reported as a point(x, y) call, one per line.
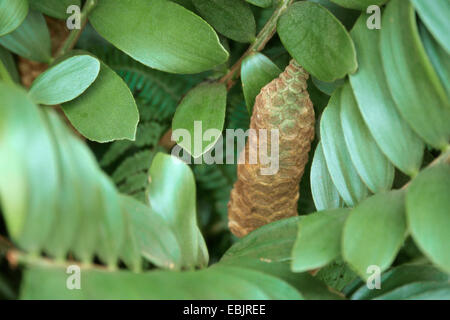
point(319, 240)
point(200, 111)
point(318, 41)
point(257, 70)
point(359, 4)
point(149, 236)
point(218, 283)
point(428, 290)
point(64, 230)
point(372, 165)
point(272, 242)
point(106, 111)
point(187, 45)
point(435, 16)
point(324, 193)
point(327, 87)
point(232, 18)
point(12, 14)
point(31, 39)
point(261, 3)
point(346, 16)
point(54, 8)
point(393, 135)
point(427, 206)
point(65, 81)
point(400, 276)
point(309, 287)
point(414, 84)
point(28, 170)
point(374, 232)
point(438, 57)
point(8, 61)
point(339, 164)
point(171, 195)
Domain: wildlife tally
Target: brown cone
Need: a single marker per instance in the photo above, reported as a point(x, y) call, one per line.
point(258, 199)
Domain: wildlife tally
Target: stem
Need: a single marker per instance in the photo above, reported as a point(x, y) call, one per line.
point(75, 34)
point(260, 42)
point(4, 74)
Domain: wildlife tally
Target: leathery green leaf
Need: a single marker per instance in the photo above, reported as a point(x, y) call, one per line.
point(324, 193)
point(378, 224)
point(257, 70)
point(54, 8)
point(372, 165)
point(319, 239)
point(171, 195)
point(427, 206)
point(435, 16)
point(198, 121)
point(232, 18)
point(31, 39)
point(339, 164)
point(415, 86)
point(12, 14)
point(187, 45)
point(394, 136)
point(318, 41)
point(65, 81)
point(106, 111)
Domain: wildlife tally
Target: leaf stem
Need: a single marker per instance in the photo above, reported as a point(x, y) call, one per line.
point(74, 35)
point(260, 42)
point(4, 74)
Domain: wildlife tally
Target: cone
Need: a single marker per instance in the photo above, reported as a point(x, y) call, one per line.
point(256, 198)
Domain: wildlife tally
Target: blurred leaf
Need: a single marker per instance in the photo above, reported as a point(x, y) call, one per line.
point(149, 236)
point(12, 14)
point(438, 57)
point(172, 195)
point(8, 61)
point(359, 4)
point(65, 81)
point(318, 41)
point(319, 239)
point(200, 113)
point(435, 16)
point(374, 232)
point(327, 87)
point(232, 18)
point(414, 84)
point(187, 45)
point(400, 276)
point(220, 282)
point(261, 3)
point(393, 135)
point(428, 211)
point(339, 164)
point(429, 290)
point(372, 165)
point(271, 243)
point(54, 8)
point(64, 230)
point(324, 192)
point(337, 275)
point(31, 39)
point(106, 111)
point(28, 170)
point(257, 70)
point(310, 287)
